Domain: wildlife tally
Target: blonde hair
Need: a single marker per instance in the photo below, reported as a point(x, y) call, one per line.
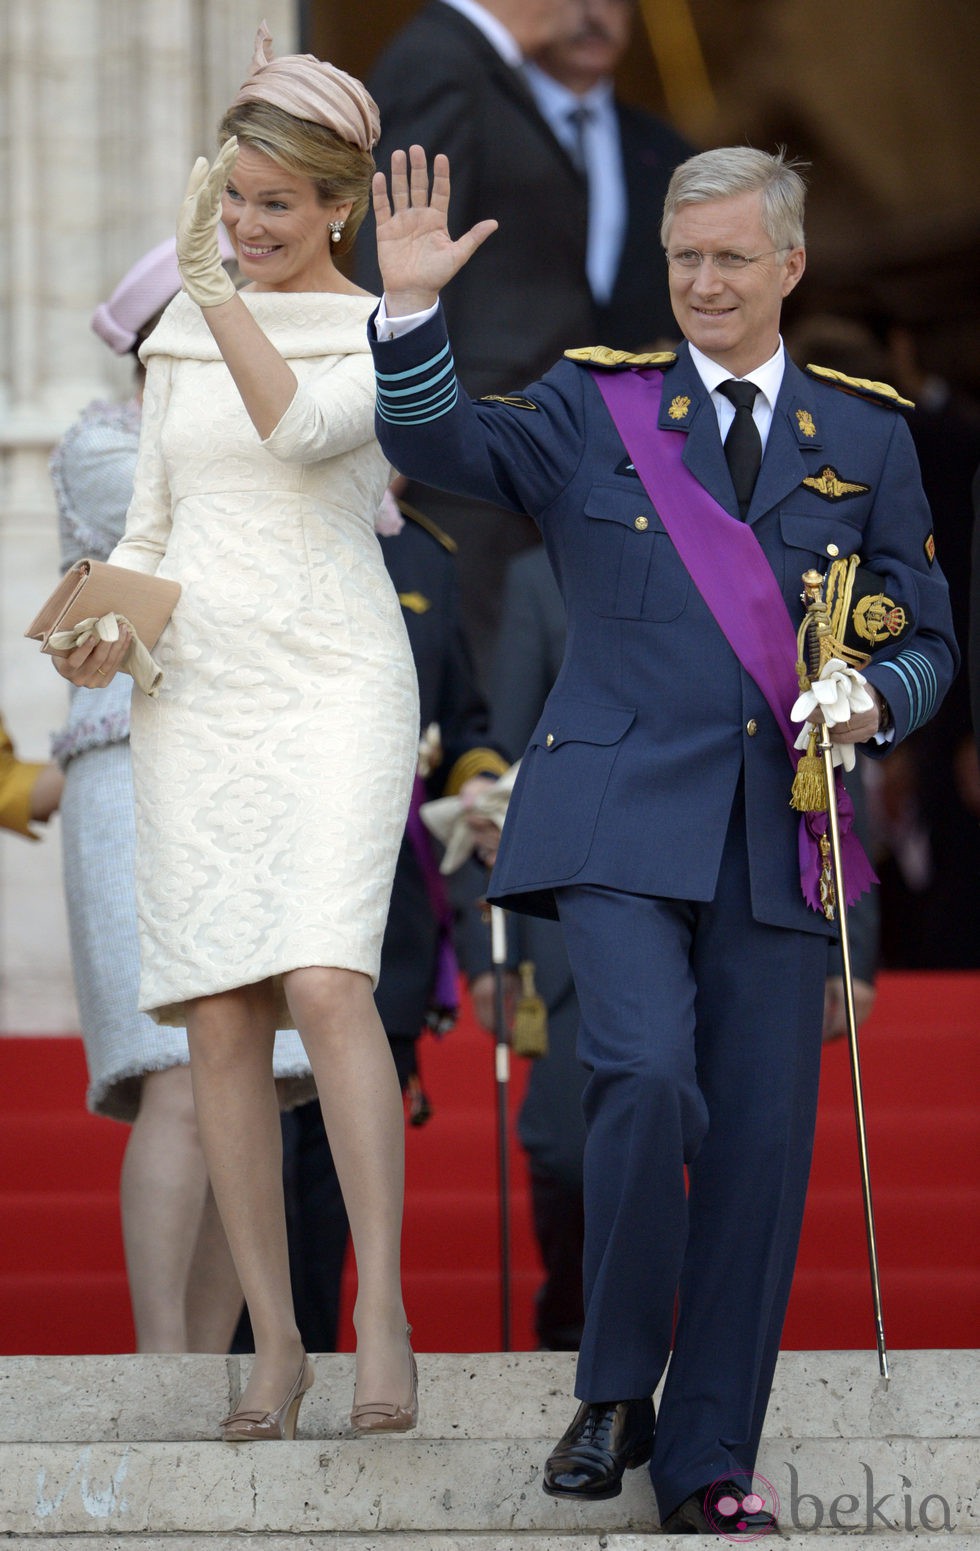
point(338, 170)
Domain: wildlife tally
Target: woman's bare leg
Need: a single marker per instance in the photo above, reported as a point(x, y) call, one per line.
point(364, 1119)
point(163, 1194)
point(231, 1038)
point(214, 1293)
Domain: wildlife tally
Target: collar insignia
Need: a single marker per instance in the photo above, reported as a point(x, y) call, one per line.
point(804, 420)
point(829, 484)
point(679, 406)
point(415, 601)
point(516, 400)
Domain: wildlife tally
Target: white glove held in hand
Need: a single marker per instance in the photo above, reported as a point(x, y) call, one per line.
point(839, 693)
point(206, 281)
point(137, 662)
point(445, 817)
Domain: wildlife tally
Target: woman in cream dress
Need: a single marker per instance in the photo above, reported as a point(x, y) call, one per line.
point(274, 768)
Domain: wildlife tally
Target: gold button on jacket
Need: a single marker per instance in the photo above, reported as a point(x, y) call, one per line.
point(752, 727)
point(641, 523)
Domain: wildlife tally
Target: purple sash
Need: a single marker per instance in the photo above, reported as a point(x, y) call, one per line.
point(444, 995)
point(728, 567)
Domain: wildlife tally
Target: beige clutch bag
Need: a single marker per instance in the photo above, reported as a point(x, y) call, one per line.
point(91, 589)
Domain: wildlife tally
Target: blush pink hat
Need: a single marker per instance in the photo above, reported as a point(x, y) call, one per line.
point(142, 292)
point(311, 89)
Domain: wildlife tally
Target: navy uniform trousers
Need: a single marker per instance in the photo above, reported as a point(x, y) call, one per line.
point(696, 1068)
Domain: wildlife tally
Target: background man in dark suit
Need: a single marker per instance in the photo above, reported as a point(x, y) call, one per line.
point(650, 810)
point(627, 157)
point(454, 80)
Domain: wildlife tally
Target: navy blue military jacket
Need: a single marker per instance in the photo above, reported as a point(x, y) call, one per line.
point(629, 777)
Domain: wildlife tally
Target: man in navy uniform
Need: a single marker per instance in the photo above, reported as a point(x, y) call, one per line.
point(680, 500)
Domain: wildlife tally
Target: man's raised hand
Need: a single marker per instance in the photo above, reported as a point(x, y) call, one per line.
point(416, 254)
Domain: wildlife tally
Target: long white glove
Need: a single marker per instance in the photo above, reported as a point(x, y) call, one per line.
point(839, 693)
point(206, 281)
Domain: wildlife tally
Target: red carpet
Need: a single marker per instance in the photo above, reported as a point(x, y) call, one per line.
point(62, 1284)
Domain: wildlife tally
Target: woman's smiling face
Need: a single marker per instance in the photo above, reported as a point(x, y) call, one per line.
point(278, 226)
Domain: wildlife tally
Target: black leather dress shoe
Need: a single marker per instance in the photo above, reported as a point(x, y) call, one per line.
point(606, 1437)
point(723, 1508)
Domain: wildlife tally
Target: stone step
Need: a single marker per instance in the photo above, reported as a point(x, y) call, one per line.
point(104, 1399)
point(489, 1540)
point(88, 1448)
point(440, 1487)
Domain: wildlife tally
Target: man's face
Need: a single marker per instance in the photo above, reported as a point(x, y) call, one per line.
point(538, 24)
point(593, 50)
point(734, 316)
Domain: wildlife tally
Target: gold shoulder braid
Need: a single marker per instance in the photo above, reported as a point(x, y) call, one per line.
point(862, 387)
point(602, 355)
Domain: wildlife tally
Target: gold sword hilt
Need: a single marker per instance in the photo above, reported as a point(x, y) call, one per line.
point(814, 637)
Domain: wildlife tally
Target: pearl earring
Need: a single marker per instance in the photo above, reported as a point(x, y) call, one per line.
point(336, 228)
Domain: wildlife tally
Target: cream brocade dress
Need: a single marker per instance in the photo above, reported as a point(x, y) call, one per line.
point(274, 770)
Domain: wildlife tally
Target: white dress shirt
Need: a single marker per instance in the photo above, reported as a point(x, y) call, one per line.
point(768, 378)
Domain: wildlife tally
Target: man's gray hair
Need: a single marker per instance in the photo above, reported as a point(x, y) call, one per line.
point(739, 169)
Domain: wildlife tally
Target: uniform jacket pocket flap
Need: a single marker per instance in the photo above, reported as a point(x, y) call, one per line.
point(818, 531)
point(580, 721)
point(631, 507)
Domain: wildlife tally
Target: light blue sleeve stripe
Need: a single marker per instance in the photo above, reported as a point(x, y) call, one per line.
point(413, 371)
point(918, 678)
point(417, 387)
point(445, 394)
point(408, 415)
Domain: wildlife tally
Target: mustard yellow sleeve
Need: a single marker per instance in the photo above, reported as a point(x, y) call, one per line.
point(17, 778)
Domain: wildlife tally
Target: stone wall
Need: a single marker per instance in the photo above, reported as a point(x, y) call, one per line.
point(103, 106)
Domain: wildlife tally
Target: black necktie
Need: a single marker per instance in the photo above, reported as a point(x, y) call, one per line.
point(743, 444)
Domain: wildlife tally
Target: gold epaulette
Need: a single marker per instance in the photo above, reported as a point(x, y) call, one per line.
point(602, 355)
point(880, 392)
point(414, 515)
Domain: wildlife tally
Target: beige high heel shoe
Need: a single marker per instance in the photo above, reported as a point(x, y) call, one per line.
point(253, 1426)
point(382, 1416)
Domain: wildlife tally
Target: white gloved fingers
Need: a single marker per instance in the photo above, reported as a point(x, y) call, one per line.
point(220, 168)
point(195, 178)
point(205, 279)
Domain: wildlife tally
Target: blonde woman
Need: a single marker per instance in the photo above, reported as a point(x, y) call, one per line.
point(273, 771)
